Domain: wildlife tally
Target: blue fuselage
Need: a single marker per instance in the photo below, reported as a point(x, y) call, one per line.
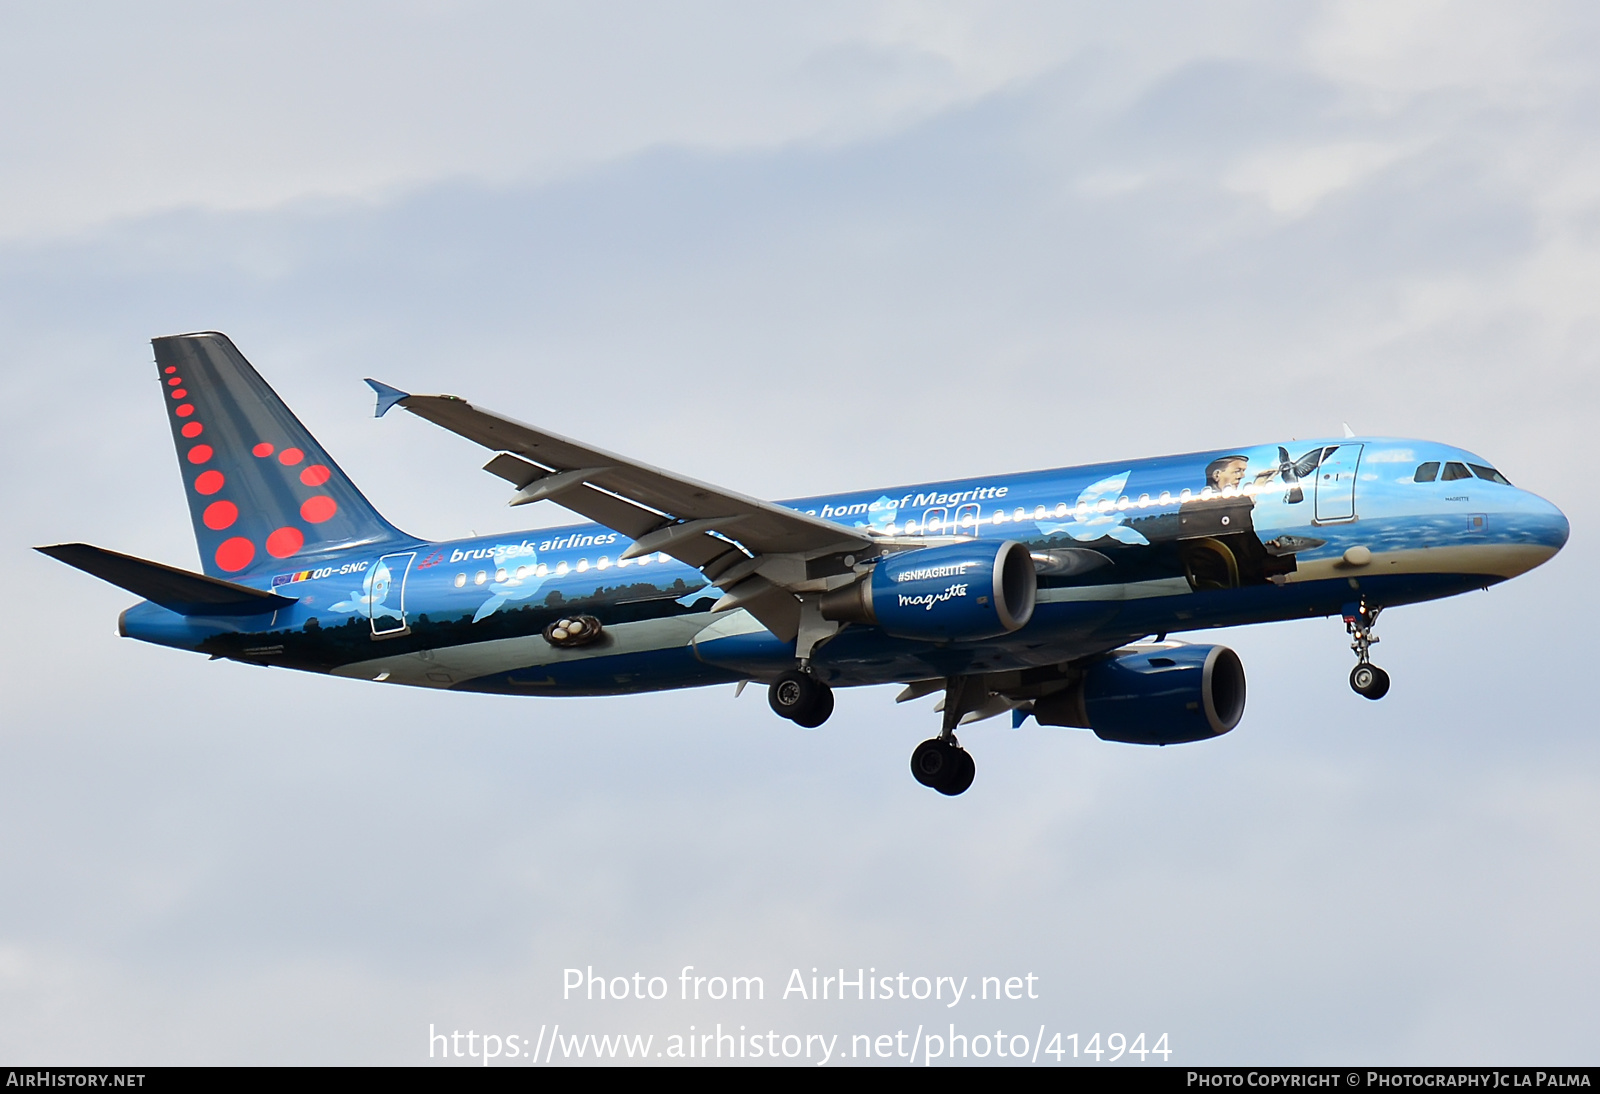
point(1123, 550)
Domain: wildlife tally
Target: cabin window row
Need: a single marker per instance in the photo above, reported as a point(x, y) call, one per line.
point(561, 569)
point(967, 517)
point(933, 522)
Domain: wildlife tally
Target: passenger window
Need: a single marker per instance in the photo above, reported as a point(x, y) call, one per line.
point(1489, 473)
point(1454, 471)
point(1428, 472)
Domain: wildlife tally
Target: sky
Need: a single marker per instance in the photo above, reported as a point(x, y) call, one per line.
point(794, 249)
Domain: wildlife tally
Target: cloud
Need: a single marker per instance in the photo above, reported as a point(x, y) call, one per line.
point(1292, 181)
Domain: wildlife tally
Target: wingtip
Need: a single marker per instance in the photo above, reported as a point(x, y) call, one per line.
point(387, 396)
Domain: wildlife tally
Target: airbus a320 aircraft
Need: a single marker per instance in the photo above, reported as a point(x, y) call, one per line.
point(1028, 595)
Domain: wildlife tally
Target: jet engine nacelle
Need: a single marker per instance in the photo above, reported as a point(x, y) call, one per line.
point(1153, 696)
point(956, 593)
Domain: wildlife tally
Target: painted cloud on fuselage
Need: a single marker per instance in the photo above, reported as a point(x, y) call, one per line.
point(369, 599)
point(1096, 515)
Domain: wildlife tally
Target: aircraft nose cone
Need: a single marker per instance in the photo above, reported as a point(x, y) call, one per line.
point(1549, 524)
point(1563, 528)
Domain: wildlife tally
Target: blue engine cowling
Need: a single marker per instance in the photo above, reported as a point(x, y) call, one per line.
point(1153, 696)
point(960, 592)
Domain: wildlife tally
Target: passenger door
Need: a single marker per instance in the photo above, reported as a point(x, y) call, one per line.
point(1336, 484)
point(386, 595)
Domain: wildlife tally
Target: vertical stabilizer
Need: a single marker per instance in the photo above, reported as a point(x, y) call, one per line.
point(262, 492)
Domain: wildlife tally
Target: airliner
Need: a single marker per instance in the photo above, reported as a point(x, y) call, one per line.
point(1051, 595)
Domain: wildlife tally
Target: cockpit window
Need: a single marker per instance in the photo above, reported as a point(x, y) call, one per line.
point(1489, 473)
point(1428, 472)
point(1454, 471)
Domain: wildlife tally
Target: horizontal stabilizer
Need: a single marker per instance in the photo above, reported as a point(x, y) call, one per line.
point(174, 589)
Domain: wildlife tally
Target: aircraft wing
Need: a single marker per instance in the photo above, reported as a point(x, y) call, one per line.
point(703, 525)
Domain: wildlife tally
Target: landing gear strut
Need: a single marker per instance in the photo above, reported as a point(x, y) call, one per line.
point(1366, 679)
point(940, 762)
point(801, 698)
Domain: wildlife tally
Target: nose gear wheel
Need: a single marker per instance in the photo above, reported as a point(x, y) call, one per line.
point(1366, 679)
point(1369, 681)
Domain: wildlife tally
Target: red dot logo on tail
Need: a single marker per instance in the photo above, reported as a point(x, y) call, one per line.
point(193, 429)
point(235, 554)
point(291, 456)
point(200, 453)
point(318, 509)
point(175, 381)
point(180, 393)
point(315, 475)
point(170, 369)
point(185, 410)
point(285, 542)
point(220, 515)
point(209, 482)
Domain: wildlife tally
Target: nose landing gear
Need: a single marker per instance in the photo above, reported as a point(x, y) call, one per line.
point(1366, 679)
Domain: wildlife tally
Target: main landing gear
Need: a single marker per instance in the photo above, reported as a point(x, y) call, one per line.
point(1366, 679)
point(941, 763)
point(801, 698)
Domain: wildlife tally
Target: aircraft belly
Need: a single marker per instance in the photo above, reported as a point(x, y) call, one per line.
point(454, 665)
point(1500, 560)
point(738, 642)
point(1133, 590)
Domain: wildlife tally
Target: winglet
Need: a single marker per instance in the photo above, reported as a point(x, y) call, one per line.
point(387, 396)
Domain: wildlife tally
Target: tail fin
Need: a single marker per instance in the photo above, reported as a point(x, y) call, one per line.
point(260, 487)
